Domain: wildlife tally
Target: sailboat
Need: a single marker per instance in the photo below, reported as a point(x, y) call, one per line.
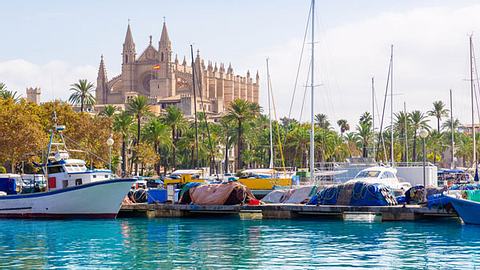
point(262, 181)
point(469, 209)
point(73, 191)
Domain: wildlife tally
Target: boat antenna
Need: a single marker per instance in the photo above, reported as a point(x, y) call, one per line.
point(312, 108)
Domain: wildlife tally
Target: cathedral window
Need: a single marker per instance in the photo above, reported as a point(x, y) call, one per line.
point(126, 59)
point(161, 57)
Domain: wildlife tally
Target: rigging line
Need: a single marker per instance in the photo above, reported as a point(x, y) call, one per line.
point(305, 91)
point(476, 77)
point(300, 61)
point(298, 69)
point(381, 139)
point(77, 144)
point(278, 127)
point(212, 156)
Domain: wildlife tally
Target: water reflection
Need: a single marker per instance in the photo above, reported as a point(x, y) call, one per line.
point(246, 244)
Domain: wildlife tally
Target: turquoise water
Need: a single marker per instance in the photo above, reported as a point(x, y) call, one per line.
point(239, 244)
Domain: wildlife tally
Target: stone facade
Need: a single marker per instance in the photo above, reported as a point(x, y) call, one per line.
point(166, 81)
point(33, 94)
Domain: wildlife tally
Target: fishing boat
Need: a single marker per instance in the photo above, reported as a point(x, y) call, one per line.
point(72, 190)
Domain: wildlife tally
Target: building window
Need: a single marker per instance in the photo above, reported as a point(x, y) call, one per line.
point(161, 57)
point(126, 59)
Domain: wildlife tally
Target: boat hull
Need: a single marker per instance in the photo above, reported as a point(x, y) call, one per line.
point(469, 211)
point(100, 199)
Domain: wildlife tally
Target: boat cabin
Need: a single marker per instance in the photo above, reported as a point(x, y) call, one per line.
point(73, 172)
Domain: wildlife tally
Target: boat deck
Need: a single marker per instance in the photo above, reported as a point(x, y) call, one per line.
point(285, 211)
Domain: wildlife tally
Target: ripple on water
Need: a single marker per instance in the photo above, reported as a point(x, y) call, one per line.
point(242, 244)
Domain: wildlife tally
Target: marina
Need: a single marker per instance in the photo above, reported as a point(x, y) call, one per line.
point(150, 159)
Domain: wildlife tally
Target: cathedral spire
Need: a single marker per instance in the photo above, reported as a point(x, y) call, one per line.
point(164, 39)
point(102, 72)
point(128, 47)
point(128, 43)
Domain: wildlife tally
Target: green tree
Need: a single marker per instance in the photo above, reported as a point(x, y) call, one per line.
point(173, 117)
point(122, 123)
point(158, 133)
point(109, 111)
point(438, 112)
point(419, 121)
point(364, 133)
point(322, 121)
point(139, 108)
point(241, 112)
point(344, 126)
point(82, 94)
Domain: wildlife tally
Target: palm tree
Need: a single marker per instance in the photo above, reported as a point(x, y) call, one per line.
point(364, 132)
point(7, 94)
point(122, 123)
point(174, 118)
point(228, 129)
point(138, 107)
point(435, 144)
point(438, 112)
point(322, 121)
point(108, 111)
point(3, 87)
point(402, 121)
point(241, 112)
point(366, 118)
point(419, 121)
point(158, 133)
point(448, 124)
point(344, 126)
point(82, 94)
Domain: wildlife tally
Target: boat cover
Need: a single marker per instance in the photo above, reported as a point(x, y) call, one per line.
point(220, 194)
point(295, 195)
point(355, 194)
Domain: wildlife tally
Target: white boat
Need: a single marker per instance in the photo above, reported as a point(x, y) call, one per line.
point(381, 175)
point(73, 191)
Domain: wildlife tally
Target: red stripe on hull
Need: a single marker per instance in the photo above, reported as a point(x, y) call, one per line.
point(58, 216)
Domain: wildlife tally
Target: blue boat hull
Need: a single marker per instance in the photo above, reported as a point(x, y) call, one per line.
point(469, 211)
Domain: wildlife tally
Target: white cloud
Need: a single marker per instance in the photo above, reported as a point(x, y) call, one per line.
point(54, 77)
point(431, 56)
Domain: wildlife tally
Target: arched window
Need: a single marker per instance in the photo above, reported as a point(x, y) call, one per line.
point(126, 59)
point(161, 57)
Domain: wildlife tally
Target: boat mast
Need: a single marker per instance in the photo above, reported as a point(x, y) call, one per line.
point(391, 107)
point(406, 130)
point(312, 85)
point(195, 163)
point(373, 117)
point(270, 117)
point(452, 164)
point(473, 113)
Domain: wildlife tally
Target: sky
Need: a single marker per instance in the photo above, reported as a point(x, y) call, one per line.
point(52, 44)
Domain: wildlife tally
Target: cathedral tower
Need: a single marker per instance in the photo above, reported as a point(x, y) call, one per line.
point(101, 93)
point(128, 61)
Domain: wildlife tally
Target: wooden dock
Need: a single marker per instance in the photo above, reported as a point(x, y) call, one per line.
point(284, 211)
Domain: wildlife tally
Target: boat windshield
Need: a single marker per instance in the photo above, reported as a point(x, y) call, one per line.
point(364, 174)
point(75, 168)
